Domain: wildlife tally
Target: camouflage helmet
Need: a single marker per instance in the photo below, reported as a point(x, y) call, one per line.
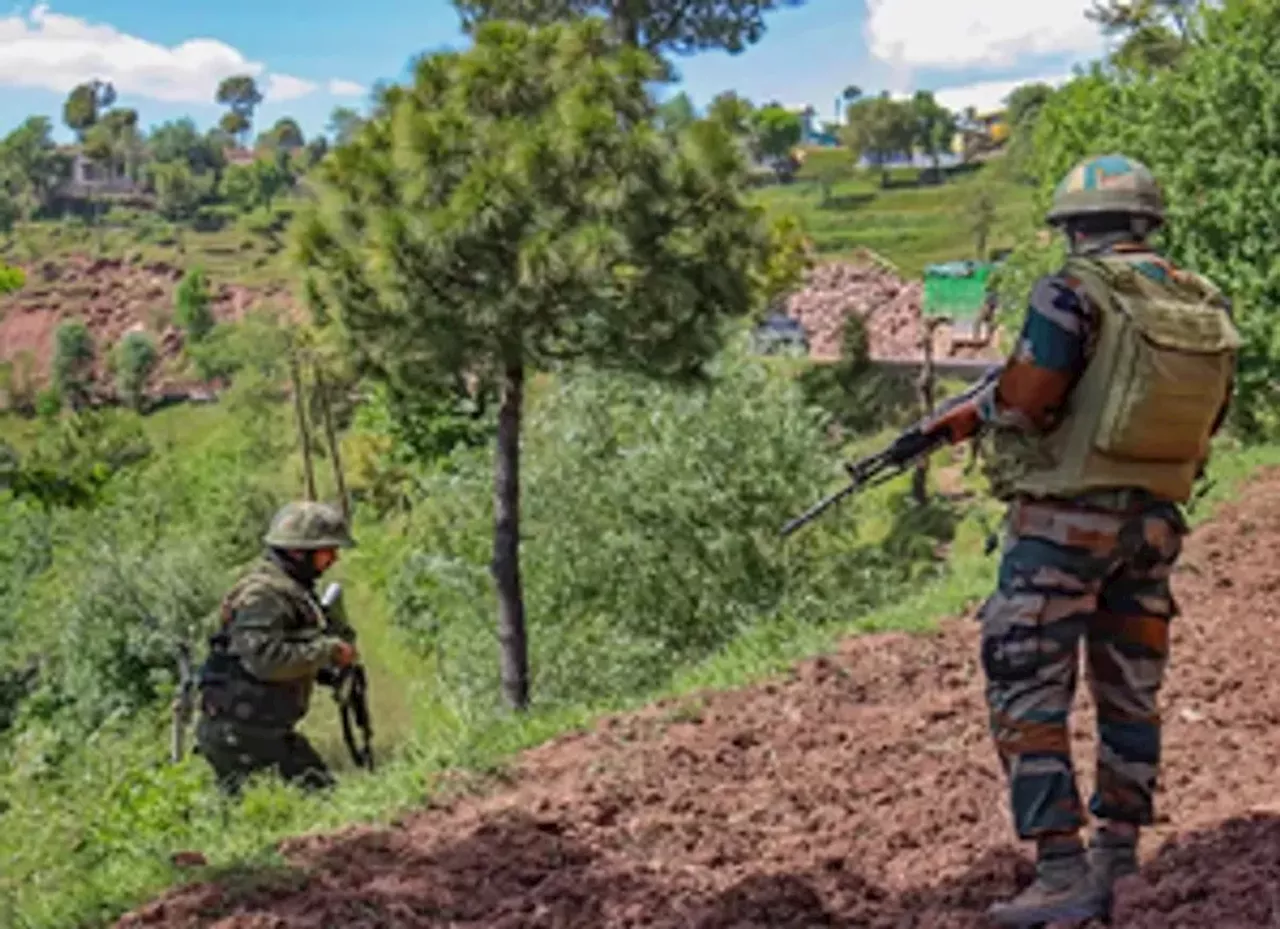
point(308, 525)
point(1107, 184)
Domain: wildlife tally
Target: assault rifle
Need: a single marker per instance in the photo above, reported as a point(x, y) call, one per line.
point(903, 452)
point(350, 687)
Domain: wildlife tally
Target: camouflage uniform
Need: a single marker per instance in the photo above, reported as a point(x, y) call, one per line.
point(1091, 566)
point(257, 682)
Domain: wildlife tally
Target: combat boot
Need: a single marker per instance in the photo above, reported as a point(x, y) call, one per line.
point(1112, 857)
point(1063, 890)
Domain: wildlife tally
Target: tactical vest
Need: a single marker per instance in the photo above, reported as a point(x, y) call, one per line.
point(229, 692)
point(1141, 414)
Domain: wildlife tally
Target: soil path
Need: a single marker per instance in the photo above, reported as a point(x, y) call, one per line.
point(859, 791)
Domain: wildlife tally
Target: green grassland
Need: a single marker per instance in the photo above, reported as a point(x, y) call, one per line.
point(912, 222)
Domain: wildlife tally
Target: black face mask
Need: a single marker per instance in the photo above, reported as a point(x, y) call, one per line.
point(301, 569)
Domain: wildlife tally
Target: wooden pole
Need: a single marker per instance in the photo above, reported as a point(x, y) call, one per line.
point(925, 386)
point(300, 416)
point(331, 438)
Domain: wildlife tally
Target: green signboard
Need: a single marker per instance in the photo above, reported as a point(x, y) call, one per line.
point(956, 290)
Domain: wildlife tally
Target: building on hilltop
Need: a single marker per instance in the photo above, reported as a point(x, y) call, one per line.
point(87, 177)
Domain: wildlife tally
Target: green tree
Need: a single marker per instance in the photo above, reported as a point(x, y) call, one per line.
point(114, 141)
point(178, 190)
point(1154, 33)
point(32, 164)
point(776, 130)
point(286, 135)
point(73, 358)
point(493, 178)
point(241, 96)
point(179, 141)
point(85, 104)
point(678, 113)
point(880, 128)
point(136, 359)
point(732, 112)
point(658, 26)
point(344, 123)
point(933, 125)
point(193, 305)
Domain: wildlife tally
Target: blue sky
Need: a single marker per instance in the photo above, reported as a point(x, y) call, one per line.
point(165, 57)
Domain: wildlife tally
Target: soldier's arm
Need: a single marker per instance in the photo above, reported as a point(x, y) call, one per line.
point(269, 652)
point(1038, 375)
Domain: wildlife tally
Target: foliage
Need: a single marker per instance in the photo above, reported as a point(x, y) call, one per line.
point(859, 398)
point(73, 358)
point(11, 279)
point(880, 128)
point(671, 549)
point(658, 26)
point(192, 309)
point(776, 130)
point(933, 125)
point(790, 255)
point(136, 360)
point(178, 190)
point(240, 94)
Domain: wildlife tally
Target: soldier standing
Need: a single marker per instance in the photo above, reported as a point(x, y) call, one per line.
point(274, 640)
point(1101, 422)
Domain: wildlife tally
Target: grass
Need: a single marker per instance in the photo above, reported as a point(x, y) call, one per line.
point(911, 224)
point(247, 251)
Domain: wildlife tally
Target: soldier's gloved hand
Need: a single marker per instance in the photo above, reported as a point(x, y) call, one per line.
point(344, 654)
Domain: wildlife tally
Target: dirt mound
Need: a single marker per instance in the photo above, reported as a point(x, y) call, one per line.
point(860, 790)
point(833, 291)
point(112, 296)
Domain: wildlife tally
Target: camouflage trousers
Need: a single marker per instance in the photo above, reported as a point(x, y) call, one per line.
point(1070, 575)
point(237, 751)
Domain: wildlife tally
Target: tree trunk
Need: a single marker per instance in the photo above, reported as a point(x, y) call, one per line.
point(300, 417)
point(506, 542)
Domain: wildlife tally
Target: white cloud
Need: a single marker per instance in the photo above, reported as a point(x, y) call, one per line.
point(51, 51)
point(340, 88)
point(956, 34)
point(985, 96)
point(281, 87)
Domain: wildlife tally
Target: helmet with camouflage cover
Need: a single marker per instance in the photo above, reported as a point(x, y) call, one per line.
point(1107, 184)
point(307, 525)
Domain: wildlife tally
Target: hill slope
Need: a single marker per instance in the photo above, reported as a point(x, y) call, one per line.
point(860, 791)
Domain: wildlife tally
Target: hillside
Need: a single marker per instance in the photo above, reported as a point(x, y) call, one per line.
point(122, 276)
point(857, 790)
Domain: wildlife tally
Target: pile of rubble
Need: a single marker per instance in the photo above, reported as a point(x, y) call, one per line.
point(891, 307)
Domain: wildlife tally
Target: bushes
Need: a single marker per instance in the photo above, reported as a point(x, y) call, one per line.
point(650, 536)
point(192, 309)
point(136, 358)
point(73, 362)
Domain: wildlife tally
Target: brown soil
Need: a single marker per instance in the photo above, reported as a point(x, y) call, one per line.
point(112, 297)
point(860, 790)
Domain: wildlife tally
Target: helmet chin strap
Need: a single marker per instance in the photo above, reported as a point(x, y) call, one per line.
point(1139, 228)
